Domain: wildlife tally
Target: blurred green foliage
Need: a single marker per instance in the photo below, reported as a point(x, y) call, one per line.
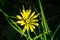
point(11, 7)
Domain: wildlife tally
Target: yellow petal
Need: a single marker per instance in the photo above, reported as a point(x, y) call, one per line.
point(32, 15)
point(35, 16)
point(30, 11)
point(24, 29)
point(27, 27)
point(36, 24)
point(31, 29)
point(23, 11)
point(32, 26)
point(34, 20)
point(22, 15)
point(21, 22)
point(19, 17)
point(26, 15)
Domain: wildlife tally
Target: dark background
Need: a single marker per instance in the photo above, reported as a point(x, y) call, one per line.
point(11, 7)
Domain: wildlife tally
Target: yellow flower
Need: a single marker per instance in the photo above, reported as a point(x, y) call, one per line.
point(27, 19)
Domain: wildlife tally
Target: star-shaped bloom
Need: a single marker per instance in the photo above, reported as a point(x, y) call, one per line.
point(27, 19)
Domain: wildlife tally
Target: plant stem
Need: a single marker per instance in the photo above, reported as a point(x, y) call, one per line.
point(43, 19)
point(55, 32)
point(11, 22)
point(44, 31)
point(28, 37)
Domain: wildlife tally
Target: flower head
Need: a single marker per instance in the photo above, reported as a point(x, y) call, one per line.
point(27, 19)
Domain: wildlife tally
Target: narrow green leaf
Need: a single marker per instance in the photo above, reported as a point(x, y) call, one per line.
point(11, 22)
point(39, 35)
point(55, 32)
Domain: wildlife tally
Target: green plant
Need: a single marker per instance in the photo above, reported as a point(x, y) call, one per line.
point(45, 27)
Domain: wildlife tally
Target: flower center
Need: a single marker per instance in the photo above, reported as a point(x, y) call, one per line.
point(27, 20)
